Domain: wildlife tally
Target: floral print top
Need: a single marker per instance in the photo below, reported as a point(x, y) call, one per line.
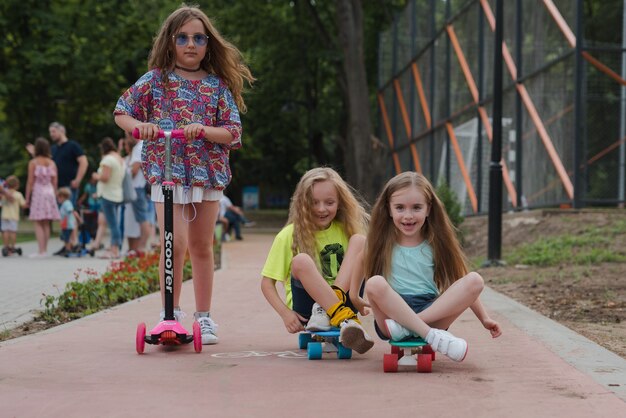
point(199, 163)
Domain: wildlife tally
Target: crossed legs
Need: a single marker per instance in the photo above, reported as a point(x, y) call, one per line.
point(387, 304)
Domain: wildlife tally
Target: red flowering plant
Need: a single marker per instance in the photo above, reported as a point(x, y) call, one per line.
point(125, 280)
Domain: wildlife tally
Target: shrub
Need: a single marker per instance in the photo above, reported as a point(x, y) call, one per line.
point(451, 203)
point(125, 280)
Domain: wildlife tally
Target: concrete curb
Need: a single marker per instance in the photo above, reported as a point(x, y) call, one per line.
point(605, 367)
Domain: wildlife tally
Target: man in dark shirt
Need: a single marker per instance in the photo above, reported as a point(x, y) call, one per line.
point(71, 167)
point(70, 159)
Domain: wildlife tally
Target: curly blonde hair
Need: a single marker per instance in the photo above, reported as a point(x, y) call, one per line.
point(351, 212)
point(449, 259)
point(222, 58)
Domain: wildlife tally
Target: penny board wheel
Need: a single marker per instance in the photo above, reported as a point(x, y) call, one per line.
point(390, 363)
point(424, 363)
point(314, 351)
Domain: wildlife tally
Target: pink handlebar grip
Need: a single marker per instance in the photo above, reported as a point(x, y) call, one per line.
point(176, 133)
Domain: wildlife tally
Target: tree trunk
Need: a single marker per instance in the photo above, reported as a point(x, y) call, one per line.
point(362, 166)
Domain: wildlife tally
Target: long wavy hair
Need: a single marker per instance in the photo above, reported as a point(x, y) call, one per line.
point(222, 58)
point(449, 259)
point(351, 212)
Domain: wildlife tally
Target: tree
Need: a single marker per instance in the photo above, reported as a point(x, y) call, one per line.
point(70, 61)
point(364, 155)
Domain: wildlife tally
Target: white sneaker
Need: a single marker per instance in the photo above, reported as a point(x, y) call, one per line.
point(353, 336)
point(319, 320)
point(397, 332)
point(445, 343)
point(178, 315)
point(207, 329)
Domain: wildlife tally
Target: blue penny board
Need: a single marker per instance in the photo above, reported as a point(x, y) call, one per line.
point(333, 332)
point(413, 342)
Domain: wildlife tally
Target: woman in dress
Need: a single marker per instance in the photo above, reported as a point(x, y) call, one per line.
point(41, 188)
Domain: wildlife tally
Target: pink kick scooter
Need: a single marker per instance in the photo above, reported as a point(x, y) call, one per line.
point(169, 331)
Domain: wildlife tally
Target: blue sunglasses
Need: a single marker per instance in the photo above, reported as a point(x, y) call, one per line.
point(199, 39)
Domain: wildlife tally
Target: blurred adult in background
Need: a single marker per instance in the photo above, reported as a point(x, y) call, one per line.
point(140, 207)
point(70, 159)
point(109, 176)
point(41, 188)
point(232, 218)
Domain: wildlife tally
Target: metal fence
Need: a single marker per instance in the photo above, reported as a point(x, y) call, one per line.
point(564, 101)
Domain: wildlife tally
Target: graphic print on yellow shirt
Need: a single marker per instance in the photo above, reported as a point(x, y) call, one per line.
point(330, 259)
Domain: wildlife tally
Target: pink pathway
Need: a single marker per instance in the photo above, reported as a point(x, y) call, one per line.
point(89, 368)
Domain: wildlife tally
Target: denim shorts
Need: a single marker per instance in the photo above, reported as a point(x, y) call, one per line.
point(140, 206)
point(66, 234)
point(303, 302)
point(416, 302)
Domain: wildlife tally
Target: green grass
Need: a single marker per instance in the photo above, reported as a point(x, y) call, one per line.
point(25, 237)
point(592, 246)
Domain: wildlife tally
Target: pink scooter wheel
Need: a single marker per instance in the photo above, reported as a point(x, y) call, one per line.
point(140, 341)
point(197, 337)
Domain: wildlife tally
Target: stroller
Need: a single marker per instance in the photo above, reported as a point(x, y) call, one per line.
point(87, 228)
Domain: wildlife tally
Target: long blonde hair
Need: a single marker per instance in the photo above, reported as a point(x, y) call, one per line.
point(449, 259)
point(222, 58)
point(350, 211)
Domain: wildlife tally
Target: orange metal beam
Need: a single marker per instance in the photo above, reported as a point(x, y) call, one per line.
point(603, 68)
point(551, 185)
point(532, 110)
point(420, 92)
point(550, 121)
point(606, 151)
point(547, 142)
point(407, 125)
point(484, 117)
point(383, 110)
point(405, 114)
point(560, 22)
point(590, 161)
point(459, 158)
point(571, 40)
point(463, 62)
point(471, 83)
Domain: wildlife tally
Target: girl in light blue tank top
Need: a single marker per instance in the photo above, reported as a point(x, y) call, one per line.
point(418, 282)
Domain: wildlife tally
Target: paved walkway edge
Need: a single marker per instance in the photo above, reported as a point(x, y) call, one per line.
point(605, 367)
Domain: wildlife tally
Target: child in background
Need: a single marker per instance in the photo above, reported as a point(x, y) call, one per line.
point(68, 217)
point(418, 282)
point(89, 199)
point(12, 202)
point(314, 257)
point(195, 83)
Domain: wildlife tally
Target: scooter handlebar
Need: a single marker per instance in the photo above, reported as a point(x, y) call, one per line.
point(176, 133)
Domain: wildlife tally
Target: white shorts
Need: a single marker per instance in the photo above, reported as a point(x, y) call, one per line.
point(9, 225)
point(192, 195)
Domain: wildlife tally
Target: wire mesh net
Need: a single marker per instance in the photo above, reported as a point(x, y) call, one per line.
point(436, 66)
